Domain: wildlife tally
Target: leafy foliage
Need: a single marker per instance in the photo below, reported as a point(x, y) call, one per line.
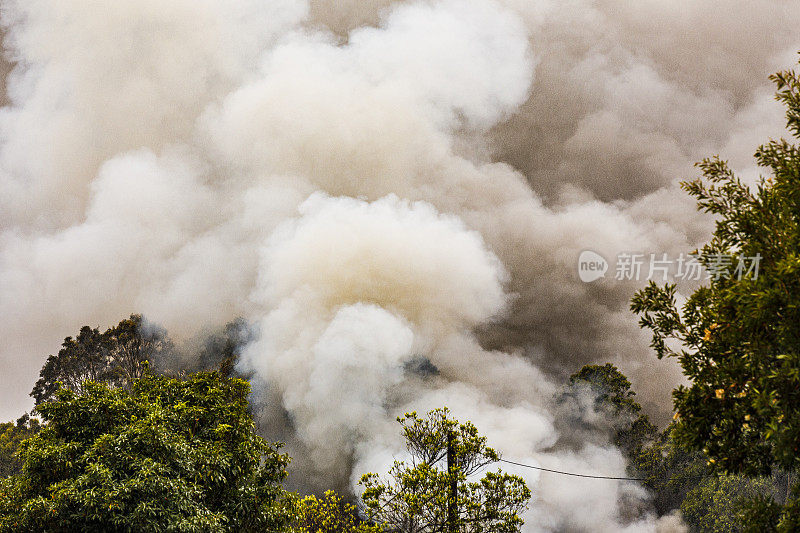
point(738, 340)
point(116, 357)
point(678, 478)
point(764, 513)
point(420, 495)
point(11, 436)
point(718, 503)
point(166, 455)
point(610, 385)
point(330, 514)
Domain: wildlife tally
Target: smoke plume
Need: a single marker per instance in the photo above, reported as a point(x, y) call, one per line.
point(393, 193)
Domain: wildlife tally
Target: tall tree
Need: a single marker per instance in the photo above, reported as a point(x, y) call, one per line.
point(135, 343)
point(116, 357)
point(669, 471)
point(612, 392)
point(166, 455)
point(221, 349)
point(438, 489)
point(737, 337)
point(83, 358)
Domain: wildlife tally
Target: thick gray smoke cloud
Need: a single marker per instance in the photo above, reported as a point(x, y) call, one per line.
point(374, 184)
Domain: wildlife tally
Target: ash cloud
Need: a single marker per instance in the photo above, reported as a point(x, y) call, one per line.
point(374, 184)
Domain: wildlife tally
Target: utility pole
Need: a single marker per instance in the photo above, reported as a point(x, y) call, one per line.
point(452, 496)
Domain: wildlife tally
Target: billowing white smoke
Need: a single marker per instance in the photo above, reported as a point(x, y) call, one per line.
point(384, 189)
point(352, 291)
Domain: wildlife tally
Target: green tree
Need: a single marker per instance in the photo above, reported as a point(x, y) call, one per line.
point(669, 472)
point(166, 455)
point(116, 356)
point(764, 513)
point(135, 345)
point(11, 436)
point(438, 489)
point(737, 337)
point(83, 358)
point(676, 478)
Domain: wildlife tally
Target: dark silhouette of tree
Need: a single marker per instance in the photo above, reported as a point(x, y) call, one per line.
point(630, 429)
point(221, 350)
point(135, 343)
point(116, 357)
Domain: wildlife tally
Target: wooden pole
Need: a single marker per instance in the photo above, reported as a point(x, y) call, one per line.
point(452, 497)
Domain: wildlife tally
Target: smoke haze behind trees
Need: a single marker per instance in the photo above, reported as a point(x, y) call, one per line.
point(372, 184)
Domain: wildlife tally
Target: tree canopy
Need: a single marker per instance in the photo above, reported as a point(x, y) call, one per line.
point(737, 337)
point(438, 489)
point(330, 514)
point(11, 436)
point(166, 455)
point(116, 356)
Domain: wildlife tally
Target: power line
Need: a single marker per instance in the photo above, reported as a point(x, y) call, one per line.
point(572, 473)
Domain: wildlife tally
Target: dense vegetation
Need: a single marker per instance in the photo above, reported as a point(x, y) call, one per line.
point(180, 453)
point(737, 338)
point(116, 356)
point(677, 478)
point(11, 436)
point(166, 455)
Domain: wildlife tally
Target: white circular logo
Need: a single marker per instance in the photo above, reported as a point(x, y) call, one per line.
point(591, 266)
